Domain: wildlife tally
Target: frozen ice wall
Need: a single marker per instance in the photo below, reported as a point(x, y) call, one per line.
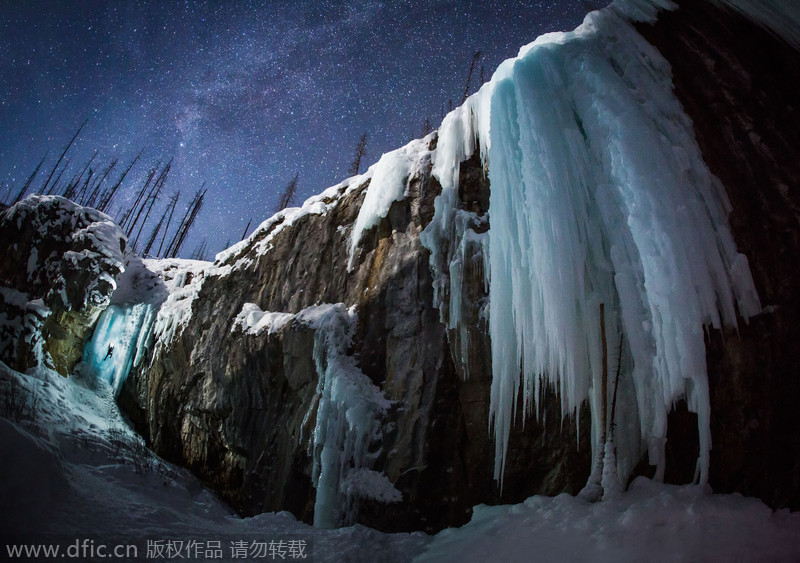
point(599, 194)
point(119, 342)
point(123, 333)
point(348, 423)
point(348, 412)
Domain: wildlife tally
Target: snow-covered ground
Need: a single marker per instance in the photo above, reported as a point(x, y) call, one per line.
point(71, 469)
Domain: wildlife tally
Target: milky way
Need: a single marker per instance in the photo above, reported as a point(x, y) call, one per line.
point(243, 95)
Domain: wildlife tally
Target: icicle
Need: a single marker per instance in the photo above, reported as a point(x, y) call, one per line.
point(599, 194)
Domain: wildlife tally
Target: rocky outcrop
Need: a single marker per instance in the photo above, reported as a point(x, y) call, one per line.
point(239, 409)
point(58, 268)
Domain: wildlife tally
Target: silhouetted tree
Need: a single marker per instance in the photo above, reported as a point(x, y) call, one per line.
point(201, 251)
point(128, 221)
point(71, 191)
point(287, 197)
point(475, 59)
point(361, 152)
point(173, 201)
point(27, 184)
point(54, 183)
point(158, 185)
point(109, 195)
point(426, 127)
point(186, 224)
point(63, 154)
point(244, 234)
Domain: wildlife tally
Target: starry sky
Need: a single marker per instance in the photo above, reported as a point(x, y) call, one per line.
point(243, 95)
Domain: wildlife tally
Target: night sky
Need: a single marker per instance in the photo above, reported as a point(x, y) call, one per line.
point(242, 94)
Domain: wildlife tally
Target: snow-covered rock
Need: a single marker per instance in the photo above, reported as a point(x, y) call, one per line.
point(59, 264)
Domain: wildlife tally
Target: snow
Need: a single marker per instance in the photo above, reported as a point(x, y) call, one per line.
point(260, 240)
point(252, 320)
point(78, 471)
point(182, 281)
point(367, 483)
point(651, 522)
point(390, 176)
point(582, 215)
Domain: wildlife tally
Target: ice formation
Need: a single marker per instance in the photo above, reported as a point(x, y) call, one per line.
point(348, 419)
point(119, 342)
point(599, 194)
point(348, 410)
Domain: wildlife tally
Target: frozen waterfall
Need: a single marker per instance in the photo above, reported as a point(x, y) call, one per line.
point(599, 194)
point(118, 343)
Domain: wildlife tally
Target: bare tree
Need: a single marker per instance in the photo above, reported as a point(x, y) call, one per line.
point(244, 234)
point(186, 223)
point(201, 251)
point(27, 184)
point(173, 201)
point(475, 59)
point(53, 186)
point(72, 188)
point(108, 196)
point(94, 196)
point(63, 154)
point(128, 222)
point(361, 152)
point(426, 127)
point(287, 197)
point(152, 197)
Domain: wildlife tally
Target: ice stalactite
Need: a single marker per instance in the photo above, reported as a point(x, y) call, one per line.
point(599, 194)
point(456, 235)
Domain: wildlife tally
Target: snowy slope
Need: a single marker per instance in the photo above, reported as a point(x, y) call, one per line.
point(77, 471)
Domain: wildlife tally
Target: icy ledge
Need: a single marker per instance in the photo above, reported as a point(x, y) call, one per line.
point(599, 194)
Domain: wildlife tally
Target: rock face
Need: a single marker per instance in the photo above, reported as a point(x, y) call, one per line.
point(239, 408)
point(234, 407)
point(57, 276)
